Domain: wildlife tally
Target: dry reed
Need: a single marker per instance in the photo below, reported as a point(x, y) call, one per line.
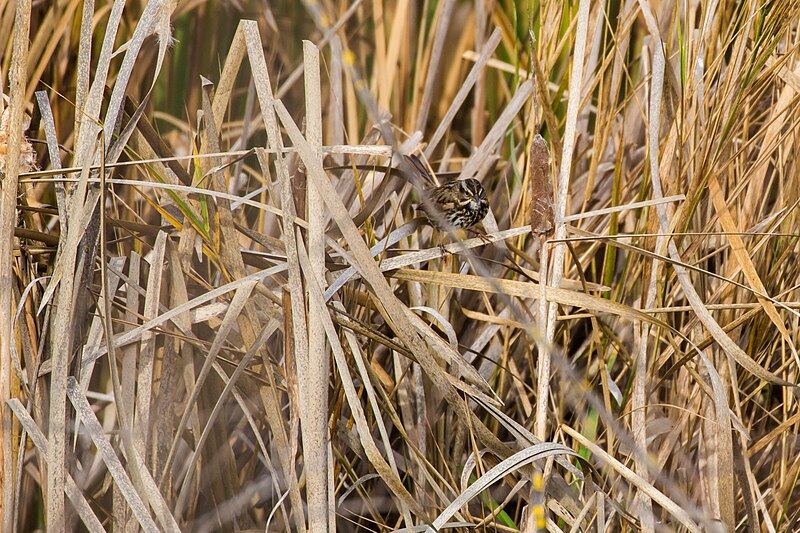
point(220, 312)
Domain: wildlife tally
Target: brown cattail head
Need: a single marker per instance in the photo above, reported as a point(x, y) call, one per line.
point(540, 210)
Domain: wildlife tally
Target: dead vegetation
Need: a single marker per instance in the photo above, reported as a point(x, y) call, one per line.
point(220, 312)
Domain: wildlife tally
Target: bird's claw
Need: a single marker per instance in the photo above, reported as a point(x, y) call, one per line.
point(482, 236)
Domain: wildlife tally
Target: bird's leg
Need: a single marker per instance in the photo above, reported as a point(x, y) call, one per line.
point(481, 235)
point(438, 241)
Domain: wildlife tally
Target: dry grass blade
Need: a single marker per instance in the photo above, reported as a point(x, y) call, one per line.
point(299, 335)
point(487, 50)
point(703, 314)
point(652, 492)
point(12, 165)
point(73, 492)
point(420, 256)
point(154, 20)
point(89, 113)
point(314, 385)
point(524, 437)
point(52, 148)
point(175, 313)
point(723, 444)
point(746, 263)
point(528, 290)
point(376, 410)
point(557, 268)
point(443, 19)
point(231, 316)
point(476, 163)
point(592, 501)
point(387, 472)
point(515, 462)
point(144, 386)
point(639, 400)
point(619, 208)
point(83, 70)
point(229, 389)
point(111, 460)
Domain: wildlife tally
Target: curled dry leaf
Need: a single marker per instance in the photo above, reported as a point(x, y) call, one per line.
point(27, 157)
point(540, 210)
